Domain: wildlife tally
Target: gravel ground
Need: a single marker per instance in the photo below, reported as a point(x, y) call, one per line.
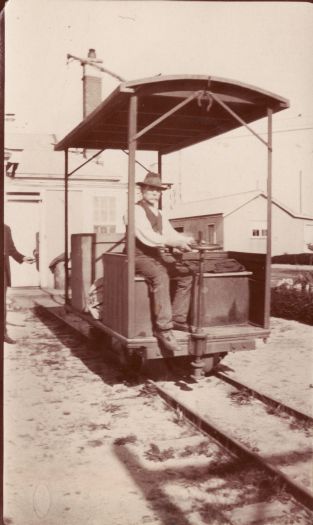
point(66, 413)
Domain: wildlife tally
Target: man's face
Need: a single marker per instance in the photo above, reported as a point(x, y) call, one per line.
point(151, 195)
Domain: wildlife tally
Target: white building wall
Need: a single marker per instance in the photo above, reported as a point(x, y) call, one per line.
point(81, 215)
point(52, 241)
point(289, 234)
point(238, 227)
point(50, 223)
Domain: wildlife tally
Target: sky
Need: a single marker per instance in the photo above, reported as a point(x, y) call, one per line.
point(266, 44)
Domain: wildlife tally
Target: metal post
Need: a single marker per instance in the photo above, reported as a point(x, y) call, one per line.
point(66, 228)
point(300, 192)
point(160, 164)
point(132, 144)
point(160, 173)
point(199, 336)
point(267, 300)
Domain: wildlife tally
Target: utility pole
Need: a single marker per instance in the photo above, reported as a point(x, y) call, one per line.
point(300, 192)
point(88, 64)
point(92, 83)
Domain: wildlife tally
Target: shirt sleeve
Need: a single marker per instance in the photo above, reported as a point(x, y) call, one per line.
point(172, 237)
point(9, 246)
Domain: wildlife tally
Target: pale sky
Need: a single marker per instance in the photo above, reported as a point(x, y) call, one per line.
point(269, 45)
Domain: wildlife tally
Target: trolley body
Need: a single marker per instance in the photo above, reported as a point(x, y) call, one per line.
point(166, 114)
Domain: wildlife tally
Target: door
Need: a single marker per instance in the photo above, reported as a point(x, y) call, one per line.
point(23, 218)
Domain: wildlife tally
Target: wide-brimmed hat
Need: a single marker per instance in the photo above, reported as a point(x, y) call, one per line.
point(153, 180)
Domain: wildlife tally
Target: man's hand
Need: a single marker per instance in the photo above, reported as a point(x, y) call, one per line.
point(29, 260)
point(186, 241)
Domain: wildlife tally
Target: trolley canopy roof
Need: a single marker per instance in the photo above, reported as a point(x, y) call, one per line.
point(200, 119)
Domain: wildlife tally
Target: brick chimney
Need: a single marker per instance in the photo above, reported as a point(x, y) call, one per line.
point(92, 95)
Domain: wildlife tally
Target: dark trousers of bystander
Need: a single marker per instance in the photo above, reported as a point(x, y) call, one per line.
point(5, 286)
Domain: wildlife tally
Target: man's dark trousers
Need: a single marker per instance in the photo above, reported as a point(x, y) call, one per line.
point(158, 275)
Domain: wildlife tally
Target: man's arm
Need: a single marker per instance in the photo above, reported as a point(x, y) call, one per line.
point(170, 237)
point(11, 250)
point(174, 238)
point(9, 246)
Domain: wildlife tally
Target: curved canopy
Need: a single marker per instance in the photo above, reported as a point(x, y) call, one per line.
point(202, 118)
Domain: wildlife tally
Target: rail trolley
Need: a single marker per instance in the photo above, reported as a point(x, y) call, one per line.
point(230, 310)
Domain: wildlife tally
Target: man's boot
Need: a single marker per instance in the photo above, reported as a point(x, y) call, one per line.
point(167, 339)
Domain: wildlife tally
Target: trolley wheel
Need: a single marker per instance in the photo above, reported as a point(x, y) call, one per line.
point(167, 368)
point(135, 363)
point(210, 363)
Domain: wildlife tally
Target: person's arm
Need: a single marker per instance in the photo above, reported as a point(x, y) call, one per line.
point(9, 247)
point(170, 237)
point(13, 252)
point(174, 238)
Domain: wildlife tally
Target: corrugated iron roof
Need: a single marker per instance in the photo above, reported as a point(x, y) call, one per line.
point(107, 126)
point(224, 205)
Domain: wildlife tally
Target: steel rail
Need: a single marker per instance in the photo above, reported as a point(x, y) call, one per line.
point(299, 492)
point(274, 403)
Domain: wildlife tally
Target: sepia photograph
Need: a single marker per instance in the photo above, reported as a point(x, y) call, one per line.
point(158, 262)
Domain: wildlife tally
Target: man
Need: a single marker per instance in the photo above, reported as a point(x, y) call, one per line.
point(153, 233)
point(10, 251)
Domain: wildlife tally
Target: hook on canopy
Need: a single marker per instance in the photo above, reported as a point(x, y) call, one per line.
point(203, 98)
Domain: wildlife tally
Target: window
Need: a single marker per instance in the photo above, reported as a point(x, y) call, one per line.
point(104, 214)
point(211, 234)
point(179, 229)
point(260, 233)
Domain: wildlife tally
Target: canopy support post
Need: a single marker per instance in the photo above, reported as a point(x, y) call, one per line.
point(66, 283)
point(160, 173)
point(160, 164)
point(130, 240)
point(267, 300)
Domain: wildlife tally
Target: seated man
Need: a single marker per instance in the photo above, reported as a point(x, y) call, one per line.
point(153, 232)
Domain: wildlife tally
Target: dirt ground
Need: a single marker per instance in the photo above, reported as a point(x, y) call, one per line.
point(60, 463)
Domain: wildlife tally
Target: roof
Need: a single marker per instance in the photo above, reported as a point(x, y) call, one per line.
point(201, 119)
point(224, 205)
point(36, 158)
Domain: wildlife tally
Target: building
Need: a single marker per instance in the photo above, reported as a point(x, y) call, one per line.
point(239, 222)
point(34, 201)
point(34, 189)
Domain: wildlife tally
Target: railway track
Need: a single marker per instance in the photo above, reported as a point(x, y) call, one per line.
point(275, 404)
point(201, 404)
point(240, 439)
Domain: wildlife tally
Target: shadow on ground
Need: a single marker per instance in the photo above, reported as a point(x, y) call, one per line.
point(91, 352)
point(98, 350)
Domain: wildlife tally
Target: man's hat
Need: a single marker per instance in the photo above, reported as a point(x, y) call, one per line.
point(154, 180)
